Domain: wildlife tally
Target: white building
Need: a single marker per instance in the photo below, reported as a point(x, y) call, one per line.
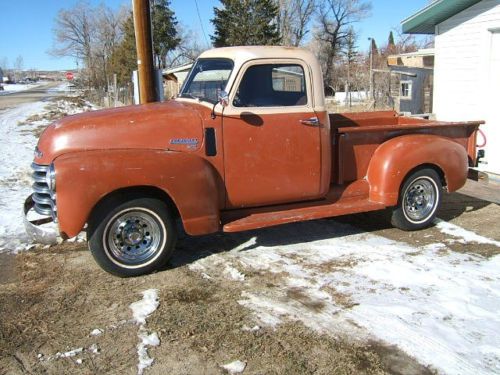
point(467, 65)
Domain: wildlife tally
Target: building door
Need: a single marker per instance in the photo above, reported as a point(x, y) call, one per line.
point(492, 127)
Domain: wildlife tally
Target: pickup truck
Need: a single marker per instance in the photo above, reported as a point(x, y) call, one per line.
point(248, 143)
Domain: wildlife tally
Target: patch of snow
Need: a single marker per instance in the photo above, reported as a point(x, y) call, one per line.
point(146, 306)
point(246, 328)
point(79, 361)
point(96, 332)
point(232, 273)
point(94, 349)
point(439, 306)
point(141, 310)
point(145, 360)
point(236, 367)
point(70, 353)
point(63, 87)
point(464, 235)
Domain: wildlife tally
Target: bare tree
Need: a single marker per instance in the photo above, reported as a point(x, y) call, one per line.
point(335, 19)
point(18, 67)
point(89, 34)
point(294, 19)
point(189, 48)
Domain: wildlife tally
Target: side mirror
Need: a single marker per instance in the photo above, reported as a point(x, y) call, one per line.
point(223, 99)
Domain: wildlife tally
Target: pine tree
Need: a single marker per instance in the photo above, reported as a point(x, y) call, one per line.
point(245, 22)
point(374, 48)
point(165, 37)
point(124, 57)
point(391, 46)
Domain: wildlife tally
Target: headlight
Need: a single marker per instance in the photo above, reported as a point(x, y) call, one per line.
point(51, 177)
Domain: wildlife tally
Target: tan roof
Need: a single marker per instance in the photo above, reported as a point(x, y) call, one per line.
point(246, 53)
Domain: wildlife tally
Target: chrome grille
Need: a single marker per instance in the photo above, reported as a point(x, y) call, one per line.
point(43, 197)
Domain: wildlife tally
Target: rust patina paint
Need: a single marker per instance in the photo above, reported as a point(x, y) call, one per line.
point(269, 168)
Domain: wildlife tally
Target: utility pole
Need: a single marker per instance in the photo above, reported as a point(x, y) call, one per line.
point(144, 43)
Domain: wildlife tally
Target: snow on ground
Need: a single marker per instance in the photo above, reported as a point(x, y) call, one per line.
point(18, 143)
point(63, 87)
point(356, 97)
point(141, 310)
point(15, 173)
point(236, 367)
point(9, 88)
point(439, 306)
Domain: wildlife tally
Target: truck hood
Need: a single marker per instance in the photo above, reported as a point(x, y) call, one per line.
point(171, 126)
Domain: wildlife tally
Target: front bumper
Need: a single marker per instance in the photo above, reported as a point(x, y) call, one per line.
point(47, 235)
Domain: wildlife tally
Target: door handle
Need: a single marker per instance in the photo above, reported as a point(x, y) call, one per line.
point(313, 121)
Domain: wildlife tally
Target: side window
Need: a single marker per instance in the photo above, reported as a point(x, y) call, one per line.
point(272, 85)
point(405, 89)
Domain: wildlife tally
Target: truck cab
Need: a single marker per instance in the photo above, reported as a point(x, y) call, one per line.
point(248, 143)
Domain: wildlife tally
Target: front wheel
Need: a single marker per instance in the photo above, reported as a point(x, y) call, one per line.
point(419, 199)
point(132, 238)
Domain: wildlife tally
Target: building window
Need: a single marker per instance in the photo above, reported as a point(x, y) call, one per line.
point(405, 90)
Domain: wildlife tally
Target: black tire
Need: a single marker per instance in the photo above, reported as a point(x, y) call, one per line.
point(419, 200)
point(133, 237)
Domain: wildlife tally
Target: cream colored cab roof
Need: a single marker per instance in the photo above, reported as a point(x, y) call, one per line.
point(243, 54)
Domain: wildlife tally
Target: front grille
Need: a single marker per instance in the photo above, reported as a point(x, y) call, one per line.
point(43, 197)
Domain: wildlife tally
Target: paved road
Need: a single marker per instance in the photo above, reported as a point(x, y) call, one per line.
point(33, 95)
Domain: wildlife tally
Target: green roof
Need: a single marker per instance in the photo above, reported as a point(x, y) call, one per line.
point(425, 20)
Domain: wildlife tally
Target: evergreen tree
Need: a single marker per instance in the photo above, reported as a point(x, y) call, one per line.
point(165, 37)
point(391, 46)
point(124, 57)
point(374, 48)
point(245, 22)
point(391, 39)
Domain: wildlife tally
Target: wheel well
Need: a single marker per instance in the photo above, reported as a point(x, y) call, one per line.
point(438, 170)
point(134, 192)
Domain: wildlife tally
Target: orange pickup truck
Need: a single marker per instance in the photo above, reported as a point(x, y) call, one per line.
point(247, 144)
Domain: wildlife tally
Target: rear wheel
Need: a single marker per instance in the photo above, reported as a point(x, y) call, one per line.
point(132, 238)
point(419, 199)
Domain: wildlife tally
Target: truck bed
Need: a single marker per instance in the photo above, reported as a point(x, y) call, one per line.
point(356, 136)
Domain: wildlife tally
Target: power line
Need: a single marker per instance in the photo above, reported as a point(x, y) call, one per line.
point(201, 23)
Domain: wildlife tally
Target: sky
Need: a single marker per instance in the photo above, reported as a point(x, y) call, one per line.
point(27, 30)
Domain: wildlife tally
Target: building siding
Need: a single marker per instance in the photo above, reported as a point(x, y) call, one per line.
point(462, 80)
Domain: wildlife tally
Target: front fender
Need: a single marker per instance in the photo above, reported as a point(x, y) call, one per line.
point(84, 178)
point(395, 158)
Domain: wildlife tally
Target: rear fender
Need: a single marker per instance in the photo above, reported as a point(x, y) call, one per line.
point(394, 159)
point(83, 179)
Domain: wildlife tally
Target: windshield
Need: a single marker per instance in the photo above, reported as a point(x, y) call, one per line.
point(207, 79)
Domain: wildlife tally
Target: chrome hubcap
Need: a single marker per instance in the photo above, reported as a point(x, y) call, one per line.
point(134, 237)
point(419, 199)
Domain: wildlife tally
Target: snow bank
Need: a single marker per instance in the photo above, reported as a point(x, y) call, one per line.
point(18, 143)
point(9, 88)
point(141, 310)
point(439, 306)
point(15, 174)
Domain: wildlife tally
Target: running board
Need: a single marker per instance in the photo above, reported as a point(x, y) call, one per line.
point(315, 210)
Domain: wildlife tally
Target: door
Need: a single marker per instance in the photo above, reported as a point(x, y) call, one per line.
point(271, 136)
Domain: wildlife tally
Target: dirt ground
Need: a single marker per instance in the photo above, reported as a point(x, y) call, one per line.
point(52, 299)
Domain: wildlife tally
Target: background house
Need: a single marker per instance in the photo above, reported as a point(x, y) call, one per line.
point(412, 81)
point(466, 65)
point(173, 79)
